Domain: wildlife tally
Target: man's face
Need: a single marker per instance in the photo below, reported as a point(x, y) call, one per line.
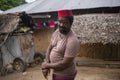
point(64, 25)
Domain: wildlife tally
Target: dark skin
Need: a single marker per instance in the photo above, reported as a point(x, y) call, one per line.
point(66, 62)
point(64, 25)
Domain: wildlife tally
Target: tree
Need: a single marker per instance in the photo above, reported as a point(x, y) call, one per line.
point(7, 4)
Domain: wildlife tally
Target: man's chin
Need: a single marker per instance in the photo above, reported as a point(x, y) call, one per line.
point(63, 32)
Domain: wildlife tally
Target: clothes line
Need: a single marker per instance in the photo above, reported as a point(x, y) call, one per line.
point(50, 24)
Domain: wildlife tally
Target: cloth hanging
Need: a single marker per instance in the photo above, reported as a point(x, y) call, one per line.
point(52, 24)
point(45, 24)
point(39, 25)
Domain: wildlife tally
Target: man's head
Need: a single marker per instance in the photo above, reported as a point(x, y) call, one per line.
point(65, 19)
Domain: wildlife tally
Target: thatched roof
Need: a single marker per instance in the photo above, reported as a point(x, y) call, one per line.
point(97, 28)
point(8, 22)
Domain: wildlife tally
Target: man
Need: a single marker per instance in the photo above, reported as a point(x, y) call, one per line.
point(62, 49)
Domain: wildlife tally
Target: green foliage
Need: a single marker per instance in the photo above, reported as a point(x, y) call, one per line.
point(7, 4)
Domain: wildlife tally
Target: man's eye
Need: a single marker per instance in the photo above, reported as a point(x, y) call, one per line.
point(65, 22)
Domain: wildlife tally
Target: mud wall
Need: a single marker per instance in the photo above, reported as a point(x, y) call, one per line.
point(42, 39)
point(100, 51)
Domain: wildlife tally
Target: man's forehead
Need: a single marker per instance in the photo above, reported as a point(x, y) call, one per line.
point(62, 19)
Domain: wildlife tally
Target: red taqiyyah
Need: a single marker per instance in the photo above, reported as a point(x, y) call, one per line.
point(64, 13)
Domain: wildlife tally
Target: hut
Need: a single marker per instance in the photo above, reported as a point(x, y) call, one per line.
point(96, 25)
point(99, 35)
point(16, 45)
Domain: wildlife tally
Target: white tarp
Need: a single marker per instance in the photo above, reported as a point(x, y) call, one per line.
point(13, 49)
point(30, 47)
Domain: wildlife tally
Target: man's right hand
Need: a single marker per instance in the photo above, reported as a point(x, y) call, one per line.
point(45, 72)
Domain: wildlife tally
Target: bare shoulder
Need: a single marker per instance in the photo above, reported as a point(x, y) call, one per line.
point(73, 38)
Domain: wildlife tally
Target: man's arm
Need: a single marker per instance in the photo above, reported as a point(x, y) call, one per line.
point(47, 59)
point(61, 65)
point(46, 71)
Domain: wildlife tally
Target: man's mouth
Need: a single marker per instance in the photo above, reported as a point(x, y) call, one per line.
point(63, 30)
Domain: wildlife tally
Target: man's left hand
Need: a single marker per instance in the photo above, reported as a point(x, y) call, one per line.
point(44, 65)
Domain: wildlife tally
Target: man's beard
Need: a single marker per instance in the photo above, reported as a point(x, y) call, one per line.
point(63, 30)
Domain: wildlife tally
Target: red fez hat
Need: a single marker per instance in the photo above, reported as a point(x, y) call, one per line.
point(64, 13)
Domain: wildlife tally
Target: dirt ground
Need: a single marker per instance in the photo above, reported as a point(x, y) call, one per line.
point(84, 73)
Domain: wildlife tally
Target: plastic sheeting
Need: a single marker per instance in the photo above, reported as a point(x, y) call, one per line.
point(1, 63)
point(30, 49)
point(13, 49)
point(30, 55)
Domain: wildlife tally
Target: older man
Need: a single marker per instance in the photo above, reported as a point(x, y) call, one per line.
point(62, 50)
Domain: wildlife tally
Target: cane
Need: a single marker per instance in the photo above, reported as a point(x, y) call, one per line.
point(46, 78)
point(45, 73)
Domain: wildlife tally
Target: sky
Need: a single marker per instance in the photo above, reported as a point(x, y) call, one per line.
point(29, 1)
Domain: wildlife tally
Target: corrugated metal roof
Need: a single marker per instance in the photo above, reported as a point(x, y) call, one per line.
point(25, 7)
point(40, 6)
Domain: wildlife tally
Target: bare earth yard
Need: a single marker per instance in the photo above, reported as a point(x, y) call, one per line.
point(84, 73)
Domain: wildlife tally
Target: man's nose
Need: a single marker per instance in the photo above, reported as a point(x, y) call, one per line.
point(61, 24)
